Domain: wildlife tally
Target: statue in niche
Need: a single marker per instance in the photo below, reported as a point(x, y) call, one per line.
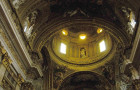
point(82, 53)
point(30, 22)
point(130, 17)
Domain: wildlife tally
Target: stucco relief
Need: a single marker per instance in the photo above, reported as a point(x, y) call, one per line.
point(17, 3)
point(30, 22)
point(130, 18)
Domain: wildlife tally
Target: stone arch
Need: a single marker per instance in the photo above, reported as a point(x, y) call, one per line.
point(85, 80)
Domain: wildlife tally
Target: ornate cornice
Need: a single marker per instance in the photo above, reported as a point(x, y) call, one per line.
point(14, 33)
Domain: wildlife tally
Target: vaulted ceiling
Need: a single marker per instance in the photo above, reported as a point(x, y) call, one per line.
point(40, 22)
point(46, 17)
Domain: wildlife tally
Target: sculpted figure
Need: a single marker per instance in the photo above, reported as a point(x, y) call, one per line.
point(30, 22)
point(82, 53)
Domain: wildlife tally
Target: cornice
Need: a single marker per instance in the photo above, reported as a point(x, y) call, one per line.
point(12, 55)
point(18, 38)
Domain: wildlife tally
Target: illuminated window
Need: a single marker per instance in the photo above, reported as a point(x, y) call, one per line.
point(63, 48)
point(82, 36)
point(102, 46)
point(99, 30)
point(64, 32)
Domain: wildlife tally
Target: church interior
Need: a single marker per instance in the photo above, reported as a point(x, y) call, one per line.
point(69, 44)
